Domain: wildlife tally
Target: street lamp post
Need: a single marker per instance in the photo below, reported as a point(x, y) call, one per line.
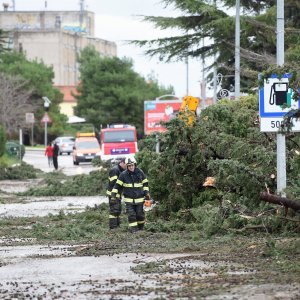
point(237, 80)
point(281, 141)
point(46, 106)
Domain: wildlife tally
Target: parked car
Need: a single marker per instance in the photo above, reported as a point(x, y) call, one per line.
point(65, 144)
point(86, 148)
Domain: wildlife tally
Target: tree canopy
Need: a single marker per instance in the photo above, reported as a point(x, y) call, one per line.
point(3, 41)
point(36, 80)
point(225, 143)
point(110, 91)
point(201, 19)
point(15, 102)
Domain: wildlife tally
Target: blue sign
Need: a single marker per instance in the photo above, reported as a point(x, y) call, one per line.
point(150, 106)
point(276, 97)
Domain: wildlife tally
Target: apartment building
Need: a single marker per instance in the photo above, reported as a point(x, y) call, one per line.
point(55, 37)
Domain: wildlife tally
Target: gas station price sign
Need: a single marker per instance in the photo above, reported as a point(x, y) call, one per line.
point(276, 100)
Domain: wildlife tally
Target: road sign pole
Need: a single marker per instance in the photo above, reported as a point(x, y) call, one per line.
point(237, 78)
point(281, 145)
point(32, 135)
point(20, 143)
point(46, 142)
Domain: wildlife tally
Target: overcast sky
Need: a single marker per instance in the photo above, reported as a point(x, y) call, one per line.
point(118, 21)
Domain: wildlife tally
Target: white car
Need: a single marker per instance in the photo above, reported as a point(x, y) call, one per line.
point(65, 144)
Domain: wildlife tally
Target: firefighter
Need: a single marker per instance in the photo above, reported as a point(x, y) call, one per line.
point(133, 183)
point(114, 204)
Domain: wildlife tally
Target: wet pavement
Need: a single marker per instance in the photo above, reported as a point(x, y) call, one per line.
point(55, 272)
point(29, 270)
point(37, 158)
point(42, 206)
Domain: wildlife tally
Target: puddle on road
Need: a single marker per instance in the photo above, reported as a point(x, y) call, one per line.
point(52, 272)
point(18, 186)
point(26, 272)
point(15, 253)
point(42, 206)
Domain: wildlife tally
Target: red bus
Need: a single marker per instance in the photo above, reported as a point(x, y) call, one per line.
point(118, 141)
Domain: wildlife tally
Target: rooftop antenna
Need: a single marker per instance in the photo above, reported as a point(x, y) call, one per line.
point(81, 13)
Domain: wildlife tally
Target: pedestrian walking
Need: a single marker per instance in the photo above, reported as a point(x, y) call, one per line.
point(115, 207)
point(49, 153)
point(133, 183)
point(55, 155)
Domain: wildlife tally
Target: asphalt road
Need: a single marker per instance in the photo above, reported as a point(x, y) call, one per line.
point(38, 159)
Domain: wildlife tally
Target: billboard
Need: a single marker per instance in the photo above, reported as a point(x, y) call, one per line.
point(156, 111)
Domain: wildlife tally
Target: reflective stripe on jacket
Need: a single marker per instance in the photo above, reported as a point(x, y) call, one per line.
point(133, 185)
point(113, 175)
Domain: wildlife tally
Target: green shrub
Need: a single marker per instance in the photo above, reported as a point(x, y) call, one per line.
point(17, 171)
point(209, 219)
point(13, 148)
point(79, 185)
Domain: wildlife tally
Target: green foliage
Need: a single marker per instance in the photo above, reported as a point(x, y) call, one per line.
point(13, 148)
point(234, 220)
point(208, 218)
point(199, 19)
point(225, 143)
point(2, 140)
point(3, 41)
point(17, 171)
point(82, 226)
point(79, 185)
point(112, 92)
point(148, 142)
point(145, 158)
point(38, 78)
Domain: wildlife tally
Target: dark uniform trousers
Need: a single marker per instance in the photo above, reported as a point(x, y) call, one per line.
point(136, 216)
point(115, 207)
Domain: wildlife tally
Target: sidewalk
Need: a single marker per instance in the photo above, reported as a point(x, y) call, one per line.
point(34, 148)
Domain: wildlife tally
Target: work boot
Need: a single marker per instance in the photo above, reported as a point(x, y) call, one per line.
point(141, 226)
point(113, 223)
point(133, 229)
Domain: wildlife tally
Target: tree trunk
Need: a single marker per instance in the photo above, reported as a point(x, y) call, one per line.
point(294, 204)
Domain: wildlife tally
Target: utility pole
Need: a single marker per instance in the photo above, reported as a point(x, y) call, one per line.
point(81, 13)
point(47, 103)
point(203, 85)
point(237, 52)
point(281, 145)
point(215, 69)
point(187, 75)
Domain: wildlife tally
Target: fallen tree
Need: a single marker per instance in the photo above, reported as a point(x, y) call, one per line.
point(294, 204)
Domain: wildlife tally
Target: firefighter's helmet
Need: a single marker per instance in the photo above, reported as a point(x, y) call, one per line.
point(130, 161)
point(209, 181)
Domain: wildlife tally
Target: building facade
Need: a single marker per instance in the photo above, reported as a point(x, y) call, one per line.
point(56, 38)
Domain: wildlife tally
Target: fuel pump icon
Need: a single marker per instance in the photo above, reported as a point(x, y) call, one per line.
point(280, 94)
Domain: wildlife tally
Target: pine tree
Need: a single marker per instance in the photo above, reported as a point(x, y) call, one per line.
point(203, 20)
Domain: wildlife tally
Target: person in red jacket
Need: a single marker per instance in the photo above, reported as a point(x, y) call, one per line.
point(49, 154)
